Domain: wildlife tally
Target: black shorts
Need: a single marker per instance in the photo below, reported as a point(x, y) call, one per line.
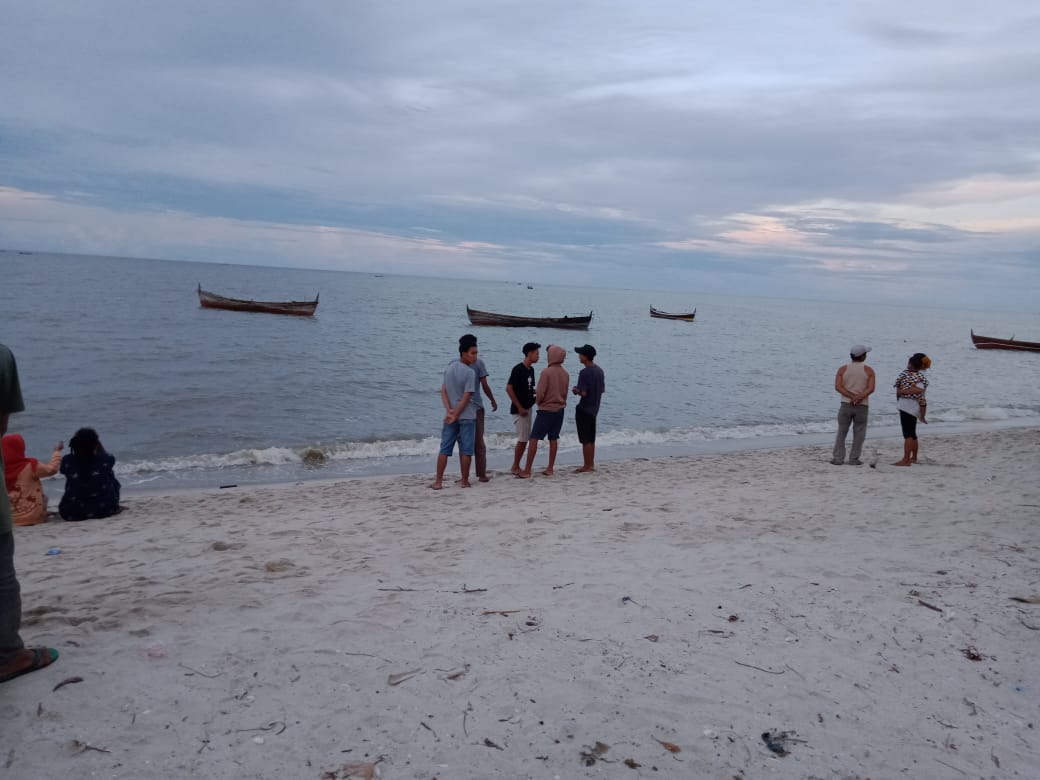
point(909, 423)
point(547, 425)
point(586, 424)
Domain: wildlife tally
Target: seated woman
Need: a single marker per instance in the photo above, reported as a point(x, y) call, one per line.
point(91, 487)
point(22, 476)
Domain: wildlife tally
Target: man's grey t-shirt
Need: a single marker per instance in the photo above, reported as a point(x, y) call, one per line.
point(481, 371)
point(459, 379)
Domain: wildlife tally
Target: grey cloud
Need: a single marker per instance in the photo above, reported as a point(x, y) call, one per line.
point(657, 119)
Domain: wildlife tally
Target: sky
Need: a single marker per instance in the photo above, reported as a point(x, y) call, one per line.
point(883, 151)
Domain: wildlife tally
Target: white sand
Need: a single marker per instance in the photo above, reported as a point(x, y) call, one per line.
point(251, 633)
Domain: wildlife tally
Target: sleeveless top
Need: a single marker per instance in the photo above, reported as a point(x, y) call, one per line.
point(855, 380)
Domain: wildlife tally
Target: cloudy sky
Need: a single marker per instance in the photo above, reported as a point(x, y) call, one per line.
point(841, 150)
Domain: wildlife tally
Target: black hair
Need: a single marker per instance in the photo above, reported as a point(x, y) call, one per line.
point(467, 342)
point(916, 361)
point(531, 346)
point(84, 445)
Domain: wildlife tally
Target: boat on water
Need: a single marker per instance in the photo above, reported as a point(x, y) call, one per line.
point(988, 342)
point(578, 322)
point(208, 300)
point(664, 315)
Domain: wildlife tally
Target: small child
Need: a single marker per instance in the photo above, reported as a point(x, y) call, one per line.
point(926, 363)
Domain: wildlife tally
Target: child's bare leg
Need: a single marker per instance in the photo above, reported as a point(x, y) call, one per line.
point(924, 408)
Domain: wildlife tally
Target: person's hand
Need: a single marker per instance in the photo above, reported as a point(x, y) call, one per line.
point(59, 447)
point(494, 405)
point(574, 390)
point(450, 417)
point(522, 412)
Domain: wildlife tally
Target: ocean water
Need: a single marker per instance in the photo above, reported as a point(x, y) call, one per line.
point(189, 397)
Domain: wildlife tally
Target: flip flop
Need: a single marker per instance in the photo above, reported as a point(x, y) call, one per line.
point(42, 656)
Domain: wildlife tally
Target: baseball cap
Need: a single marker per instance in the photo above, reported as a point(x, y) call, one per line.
point(587, 350)
point(858, 350)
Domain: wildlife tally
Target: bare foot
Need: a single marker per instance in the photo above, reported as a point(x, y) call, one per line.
point(515, 470)
point(436, 485)
point(523, 475)
point(464, 483)
point(548, 472)
point(584, 469)
point(484, 478)
point(902, 463)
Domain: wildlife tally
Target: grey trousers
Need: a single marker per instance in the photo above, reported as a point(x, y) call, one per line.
point(856, 416)
point(10, 601)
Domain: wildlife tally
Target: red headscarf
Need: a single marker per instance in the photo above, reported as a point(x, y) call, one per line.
point(14, 458)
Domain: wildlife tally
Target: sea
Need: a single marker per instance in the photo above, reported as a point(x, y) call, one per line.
point(186, 397)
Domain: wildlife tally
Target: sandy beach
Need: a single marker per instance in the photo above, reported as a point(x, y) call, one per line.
point(760, 614)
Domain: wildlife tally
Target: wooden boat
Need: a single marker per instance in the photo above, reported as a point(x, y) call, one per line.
point(664, 315)
point(208, 300)
point(580, 322)
point(988, 342)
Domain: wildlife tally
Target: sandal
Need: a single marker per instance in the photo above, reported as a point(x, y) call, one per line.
point(42, 656)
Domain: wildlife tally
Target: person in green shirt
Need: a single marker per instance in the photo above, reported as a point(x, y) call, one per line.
point(15, 658)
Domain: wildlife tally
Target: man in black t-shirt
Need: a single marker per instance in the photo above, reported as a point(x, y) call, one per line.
point(520, 390)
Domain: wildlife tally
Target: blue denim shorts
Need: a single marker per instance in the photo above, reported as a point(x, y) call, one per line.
point(547, 425)
point(462, 431)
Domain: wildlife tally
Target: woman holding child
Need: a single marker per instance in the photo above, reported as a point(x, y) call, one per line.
point(911, 385)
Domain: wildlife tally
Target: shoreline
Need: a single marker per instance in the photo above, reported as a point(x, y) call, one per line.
point(499, 459)
point(863, 617)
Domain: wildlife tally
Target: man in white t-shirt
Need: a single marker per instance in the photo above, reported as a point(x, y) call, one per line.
point(854, 383)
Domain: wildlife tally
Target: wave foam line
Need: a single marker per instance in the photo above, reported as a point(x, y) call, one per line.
point(317, 455)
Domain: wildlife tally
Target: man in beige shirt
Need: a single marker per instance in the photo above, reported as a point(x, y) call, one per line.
point(854, 383)
point(551, 397)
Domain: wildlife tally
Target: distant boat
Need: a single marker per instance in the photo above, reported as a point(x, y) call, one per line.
point(668, 316)
point(208, 300)
point(580, 322)
point(988, 342)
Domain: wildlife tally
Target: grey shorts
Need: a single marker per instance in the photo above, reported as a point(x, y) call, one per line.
point(523, 425)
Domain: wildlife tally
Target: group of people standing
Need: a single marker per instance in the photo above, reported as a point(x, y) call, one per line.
point(465, 380)
point(855, 382)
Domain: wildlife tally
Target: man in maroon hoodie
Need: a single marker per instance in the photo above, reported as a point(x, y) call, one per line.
point(551, 398)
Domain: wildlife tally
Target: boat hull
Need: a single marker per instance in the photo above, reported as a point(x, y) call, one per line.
point(988, 342)
point(664, 315)
point(477, 317)
point(208, 300)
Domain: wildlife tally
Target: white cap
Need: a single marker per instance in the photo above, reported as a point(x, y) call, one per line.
point(858, 350)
